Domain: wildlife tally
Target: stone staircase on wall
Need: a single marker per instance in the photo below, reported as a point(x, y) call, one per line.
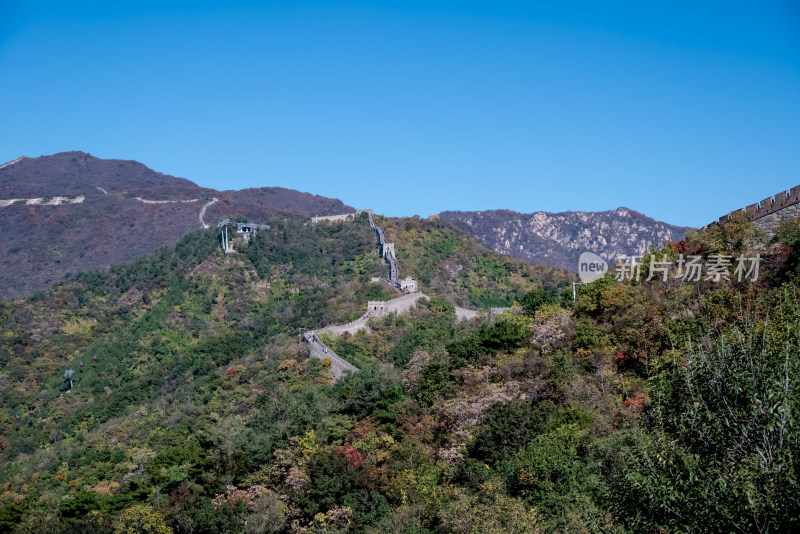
point(375, 308)
point(339, 366)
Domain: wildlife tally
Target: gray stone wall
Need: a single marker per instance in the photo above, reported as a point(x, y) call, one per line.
point(465, 314)
point(376, 308)
point(339, 366)
point(351, 327)
point(379, 308)
point(404, 303)
point(769, 223)
point(770, 212)
point(408, 285)
point(341, 216)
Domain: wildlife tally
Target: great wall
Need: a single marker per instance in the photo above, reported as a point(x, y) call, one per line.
point(339, 366)
point(387, 249)
point(768, 214)
point(375, 308)
point(203, 212)
point(42, 201)
point(60, 200)
point(12, 162)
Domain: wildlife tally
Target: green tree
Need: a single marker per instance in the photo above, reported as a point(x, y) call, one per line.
point(10, 515)
point(721, 452)
point(433, 381)
point(535, 299)
point(506, 427)
point(373, 391)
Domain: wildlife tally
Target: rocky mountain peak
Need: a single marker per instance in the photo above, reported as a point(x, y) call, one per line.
point(558, 239)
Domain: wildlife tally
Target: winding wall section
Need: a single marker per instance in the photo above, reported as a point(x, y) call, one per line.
point(375, 308)
point(339, 366)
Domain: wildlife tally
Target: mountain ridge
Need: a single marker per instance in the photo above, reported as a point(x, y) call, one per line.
point(72, 212)
point(557, 239)
point(113, 211)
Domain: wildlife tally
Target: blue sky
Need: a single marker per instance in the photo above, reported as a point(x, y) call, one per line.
point(680, 110)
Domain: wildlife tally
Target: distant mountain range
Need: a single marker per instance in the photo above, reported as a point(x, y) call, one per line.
point(72, 212)
point(558, 239)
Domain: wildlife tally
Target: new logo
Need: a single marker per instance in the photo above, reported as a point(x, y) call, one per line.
point(591, 267)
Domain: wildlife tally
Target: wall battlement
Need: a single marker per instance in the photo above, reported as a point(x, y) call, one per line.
point(341, 216)
point(380, 308)
point(770, 212)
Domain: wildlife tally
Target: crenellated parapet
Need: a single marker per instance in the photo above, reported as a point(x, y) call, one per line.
point(343, 217)
point(770, 212)
point(375, 308)
point(380, 308)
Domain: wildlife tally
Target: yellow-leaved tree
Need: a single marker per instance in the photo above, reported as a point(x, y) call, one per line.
point(141, 519)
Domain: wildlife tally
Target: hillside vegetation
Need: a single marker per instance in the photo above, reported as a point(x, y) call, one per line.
point(47, 244)
point(452, 263)
point(645, 406)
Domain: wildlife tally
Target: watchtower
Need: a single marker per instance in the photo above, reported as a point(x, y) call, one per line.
point(408, 285)
point(377, 308)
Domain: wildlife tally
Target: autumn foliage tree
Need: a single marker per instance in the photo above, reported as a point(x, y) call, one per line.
point(140, 519)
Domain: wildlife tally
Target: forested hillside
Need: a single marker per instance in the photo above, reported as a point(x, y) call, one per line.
point(452, 263)
point(645, 406)
point(188, 381)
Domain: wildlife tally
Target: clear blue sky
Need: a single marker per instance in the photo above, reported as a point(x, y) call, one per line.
point(680, 110)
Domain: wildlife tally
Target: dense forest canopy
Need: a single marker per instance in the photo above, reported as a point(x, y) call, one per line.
point(644, 406)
